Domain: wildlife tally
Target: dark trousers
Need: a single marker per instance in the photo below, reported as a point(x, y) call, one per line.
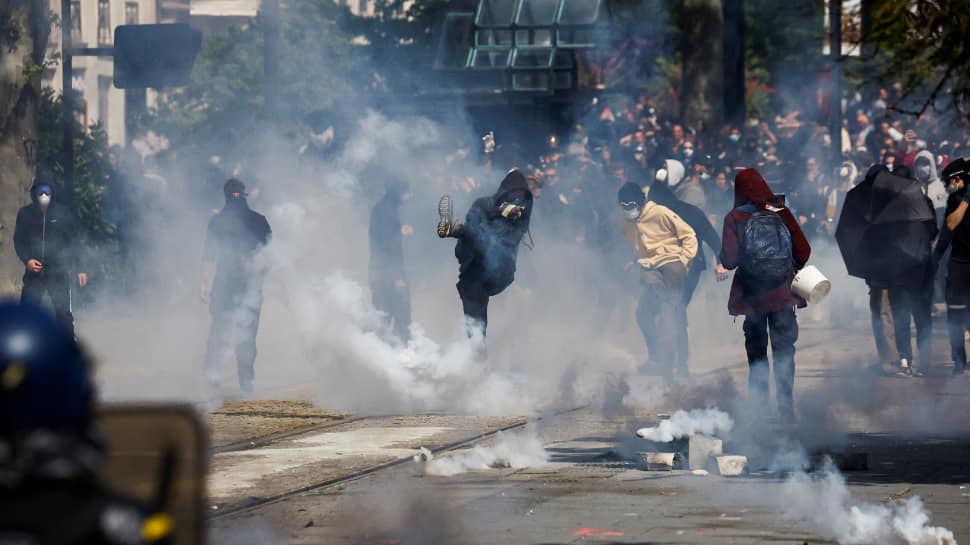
point(233, 329)
point(958, 311)
point(683, 339)
point(913, 304)
point(395, 302)
point(661, 314)
point(958, 321)
point(881, 316)
point(58, 287)
point(781, 329)
point(474, 302)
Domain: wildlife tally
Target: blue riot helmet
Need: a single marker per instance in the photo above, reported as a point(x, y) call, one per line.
point(45, 378)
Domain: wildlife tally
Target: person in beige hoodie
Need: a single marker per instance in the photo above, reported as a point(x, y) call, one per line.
point(664, 245)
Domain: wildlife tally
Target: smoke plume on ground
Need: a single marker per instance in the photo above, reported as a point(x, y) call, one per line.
point(511, 450)
point(823, 502)
point(687, 424)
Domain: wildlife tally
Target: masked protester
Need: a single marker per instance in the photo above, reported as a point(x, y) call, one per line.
point(232, 284)
point(957, 234)
point(660, 193)
point(664, 245)
point(924, 170)
point(50, 451)
point(762, 239)
point(488, 244)
point(388, 280)
point(46, 239)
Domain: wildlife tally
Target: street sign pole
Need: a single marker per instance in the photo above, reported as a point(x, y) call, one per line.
point(67, 102)
point(835, 50)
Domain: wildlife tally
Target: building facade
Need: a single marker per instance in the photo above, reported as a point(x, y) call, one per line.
point(92, 25)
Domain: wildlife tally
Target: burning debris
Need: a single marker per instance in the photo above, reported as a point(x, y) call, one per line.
point(686, 424)
point(515, 451)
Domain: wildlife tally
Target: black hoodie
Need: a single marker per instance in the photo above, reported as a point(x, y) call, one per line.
point(51, 237)
point(489, 243)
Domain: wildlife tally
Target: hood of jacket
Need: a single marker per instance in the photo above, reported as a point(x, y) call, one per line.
point(513, 181)
point(675, 172)
point(928, 155)
point(751, 188)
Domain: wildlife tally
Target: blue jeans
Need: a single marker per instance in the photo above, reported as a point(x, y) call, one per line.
point(781, 330)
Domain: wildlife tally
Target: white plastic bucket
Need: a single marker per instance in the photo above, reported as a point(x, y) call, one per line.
point(811, 285)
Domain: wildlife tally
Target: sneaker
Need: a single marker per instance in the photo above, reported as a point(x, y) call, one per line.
point(447, 224)
point(916, 372)
point(904, 368)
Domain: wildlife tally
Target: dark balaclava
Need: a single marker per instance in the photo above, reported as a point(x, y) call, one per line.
point(235, 192)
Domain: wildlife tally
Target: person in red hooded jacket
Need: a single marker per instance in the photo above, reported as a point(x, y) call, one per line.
point(771, 308)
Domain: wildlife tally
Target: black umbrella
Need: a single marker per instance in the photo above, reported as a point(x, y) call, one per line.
point(886, 229)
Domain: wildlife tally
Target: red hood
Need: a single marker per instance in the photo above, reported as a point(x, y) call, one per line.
point(751, 188)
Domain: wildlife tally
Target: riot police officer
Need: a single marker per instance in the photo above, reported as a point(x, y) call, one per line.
point(49, 451)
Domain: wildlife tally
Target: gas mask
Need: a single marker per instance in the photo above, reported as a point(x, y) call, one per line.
point(632, 214)
point(511, 210)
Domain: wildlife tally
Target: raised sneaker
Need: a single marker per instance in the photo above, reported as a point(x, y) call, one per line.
point(447, 225)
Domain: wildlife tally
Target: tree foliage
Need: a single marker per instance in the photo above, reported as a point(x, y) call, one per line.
point(92, 170)
point(925, 46)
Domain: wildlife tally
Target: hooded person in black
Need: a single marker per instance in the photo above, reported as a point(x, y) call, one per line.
point(388, 280)
point(488, 243)
point(232, 284)
point(957, 234)
point(46, 239)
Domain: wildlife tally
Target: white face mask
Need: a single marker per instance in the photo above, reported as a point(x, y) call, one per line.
point(661, 175)
point(631, 215)
point(688, 152)
point(44, 200)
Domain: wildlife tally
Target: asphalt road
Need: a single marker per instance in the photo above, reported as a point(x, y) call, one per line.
point(911, 432)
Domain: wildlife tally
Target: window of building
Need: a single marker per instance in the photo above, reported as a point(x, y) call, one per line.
point(104, 90)
point(104, 22)
point(76, 37)
point(131, 13)
point(80, 103)
point(361, 7)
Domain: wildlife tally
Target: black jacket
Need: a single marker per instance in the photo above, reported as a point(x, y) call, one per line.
point(53, 238)
point(661, 194)
point(488, 243)
point(234, 237)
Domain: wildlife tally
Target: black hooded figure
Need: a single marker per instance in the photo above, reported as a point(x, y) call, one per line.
point(232, 283)
point(388, 280)
point(46, 239)
point(488, 243)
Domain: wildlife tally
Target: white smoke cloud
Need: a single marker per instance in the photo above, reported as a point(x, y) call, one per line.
point(826, 505)
point(421, 373)
point(511, 450)
point(686, 424)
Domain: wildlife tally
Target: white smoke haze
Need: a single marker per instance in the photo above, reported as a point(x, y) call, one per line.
point(823, 502)
point(510, 450)
point(687, 424)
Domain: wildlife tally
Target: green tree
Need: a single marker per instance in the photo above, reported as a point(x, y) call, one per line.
point(922, 44)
